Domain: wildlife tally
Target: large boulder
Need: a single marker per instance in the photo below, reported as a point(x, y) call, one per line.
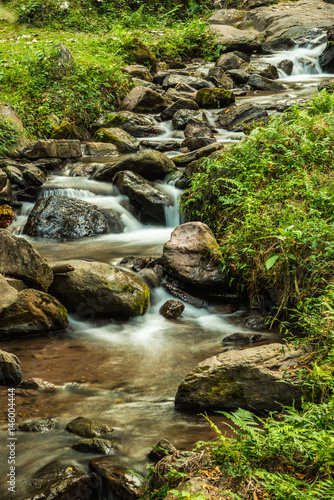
point(64, 217)
point(33, 313)
point(8, 294)
point(230, 60)
point(119, 482)
point(19, 259)
point(260, 68)
point(182, 116)
point(261, 83)
point(100, 149)
point(250, 378)
point(141, 54)
point(237, 116)
point(151, 165)
point(214, 98)
point(134, 124)
point(10, 369)
point(95, 288)
point(52, 148)
point(144, 100)
point(237, 39)
point(124, 142)
point(148, 199)
point(192, 256)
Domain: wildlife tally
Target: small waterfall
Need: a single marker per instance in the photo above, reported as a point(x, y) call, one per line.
point(81, 194)
point(172, 211)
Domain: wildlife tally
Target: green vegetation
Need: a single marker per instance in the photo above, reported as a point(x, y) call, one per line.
point(9, 135)
point(98, 35)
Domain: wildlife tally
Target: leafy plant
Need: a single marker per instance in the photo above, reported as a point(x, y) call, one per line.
point(9, 135)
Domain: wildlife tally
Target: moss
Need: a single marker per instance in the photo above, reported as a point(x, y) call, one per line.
point(66, 131)
point(226, 391)
point(214, 98)
point(6, 216)
point(141, 54)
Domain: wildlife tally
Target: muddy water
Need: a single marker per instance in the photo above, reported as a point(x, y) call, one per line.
point(123, 373)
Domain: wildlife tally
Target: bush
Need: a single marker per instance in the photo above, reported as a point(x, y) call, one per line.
point(9, 135)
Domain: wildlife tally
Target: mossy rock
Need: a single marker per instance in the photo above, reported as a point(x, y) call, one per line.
point(66, 131)
point(141, 54)
point(124, 142)
point(6, 216)
point(214, 98)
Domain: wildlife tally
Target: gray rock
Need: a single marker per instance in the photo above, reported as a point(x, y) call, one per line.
point(143, 194)
point(95, 445)
point(241, 338)
point(222, 78)
point(169, 112)
point(197, 129)
point(88, 427)
point(287, 66)
point(239, 76)
point(19, 259)
point(172, 80)
point(181, 294)
point(144, 100)
point(182, 116)
point(124, 142)
point(193, 143)
point(262, 83)
point(134, 124)
point(172, 309)
point(139, 71)
point(10, 369)
point(8, 294)
point(249, 378)
point(184, 160)
point(261, 68)
point(33, 175)
point(237, 39)
point(52, 148)
point(192, 256)
point(229, 61)
point(161, 450)
point(238, 116)
point(121, 483)
point(98, 289)
point(40, 425)
point(18, 285)
point(326, 58)
point(15, 176)
point(138, 82)
point(39, 384)
point(100, 149)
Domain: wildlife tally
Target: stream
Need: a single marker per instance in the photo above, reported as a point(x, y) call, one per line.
point(127, 373)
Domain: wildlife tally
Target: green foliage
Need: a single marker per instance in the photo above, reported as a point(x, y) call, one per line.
point(9, 135)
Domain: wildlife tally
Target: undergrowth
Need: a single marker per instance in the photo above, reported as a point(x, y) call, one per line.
point(9, 135)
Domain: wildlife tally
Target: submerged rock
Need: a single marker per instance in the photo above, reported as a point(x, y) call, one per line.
point(241, 338)
point(249, 378)
point(98, 289)
point(40, 425)
point(172, 309)
point(192, 256)
point(181, 294)
point(117, 481)
point(95, 445)
point(10, 369)
point(88, 427)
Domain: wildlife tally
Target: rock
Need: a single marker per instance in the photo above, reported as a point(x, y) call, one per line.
point(161, 450)
point(214, 98)
point(61, 268)
point(238, 75)
point(33, 175)
point(19, 259)
point(197, 129)
point(139, 71)
point(172, 309)
point(49, 163)
point(8, 294)
point(40, 425)
point(38, 383)
point(10, 369)
point(88, 428)
point(15, 176)
point(229, 61)
point(169, 112)
point(9, 115)
point(249, 378)
point(59, 481)
point(65, 217)
point(141, 54)
point(182, 116)
point(193, 143)
point(200, 486)
point(222, 78)
point(192, 256)
point(254, 320)
point(183, 160)
point(151, 165)
point(144, 100)
point(51, 148)
point(162, 147)
point(18, 285)
point(124, 142)
point(134, 124)
point(260, 68)
point(241, 338)
point(181, 294)
point(328, 86)
point(148, 199)
point(95, 288)
point(120, 483)
point(326, 58)
point(95, 445)
point(137, 82)
point(237, 116)
point(262, 83)
point(6, 216)
point(69, 131)
point(33, 313)
point(237, 39)
point(172, 80)
point(287, 66)
point(228, 16)
point(100, 149)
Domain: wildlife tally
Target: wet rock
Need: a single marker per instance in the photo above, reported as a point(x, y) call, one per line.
point(214, 98)
point(51, 148)
point(150, 277)
point(144, 100)
point(100, 149)
point(161, 450)
point(148, 199)
point(169, 112)
point(38, 383)
point(8, 294)
point(87, 169)
point(141, 54)
point(242, 338)
point(326, 58)
point(151, 165)
point(328, 86)
point(162, 147)
point(195, 128)
point(248, 378)
point(172, 80)
point(287, 66)
point(65, 217)
point(181, 294)
point(40, 425)
point(95, 445)
point(172, 309)
point(184, 160)
point(229, 61)
point(237, 116)
point(254, 320)
point(48, 163)
point(239, 76)
point(192, 256)
point(59, 481)
point(124, 142)
point(222, 78)
point(237, 39)
point(261, 68)
point(134, 124)
point(19, 259)
point(139, 71)
point(15, 176)
point(193, 143)
point(33, 313)
point(88, 427)
point(182, 116)
point(6, 216)
point(98, 289)
point(10, 369)
point(261, 83)
point(33, 175)
point(117, 481)
point(6, 193)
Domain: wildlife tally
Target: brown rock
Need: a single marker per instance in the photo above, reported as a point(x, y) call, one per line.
point(172, 309)
point(144, 100)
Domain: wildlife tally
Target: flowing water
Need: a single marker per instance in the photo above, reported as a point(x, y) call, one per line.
point(127, 373)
